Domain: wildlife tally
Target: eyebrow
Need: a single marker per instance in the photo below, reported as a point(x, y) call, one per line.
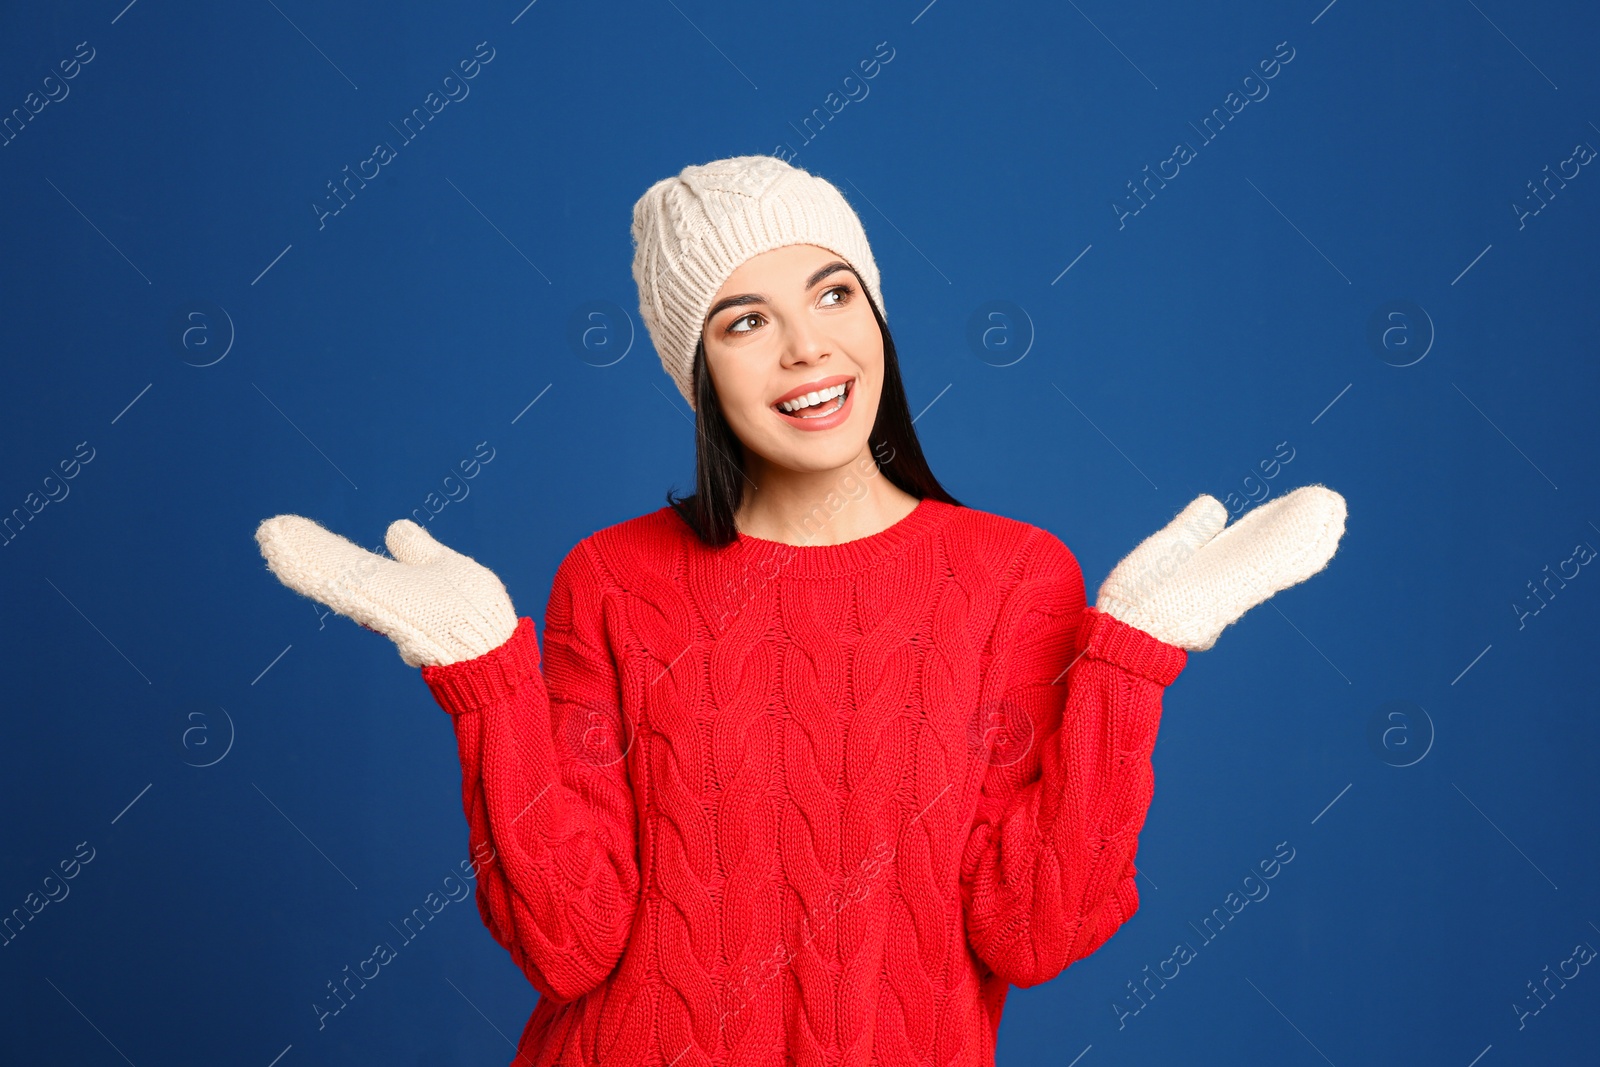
point(758, 298)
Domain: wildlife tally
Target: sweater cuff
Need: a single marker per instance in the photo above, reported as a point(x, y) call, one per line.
point(472, 684)
point(1113, 641)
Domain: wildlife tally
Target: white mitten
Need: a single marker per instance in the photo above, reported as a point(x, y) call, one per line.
point(1188, 581)
point(437, 605)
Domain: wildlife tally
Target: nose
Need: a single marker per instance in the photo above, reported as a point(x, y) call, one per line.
point(804, 343)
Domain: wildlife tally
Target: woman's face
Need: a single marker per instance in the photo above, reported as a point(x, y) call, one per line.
point(793, 319)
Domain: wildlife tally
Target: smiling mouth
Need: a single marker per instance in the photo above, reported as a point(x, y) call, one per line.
point(818, 404)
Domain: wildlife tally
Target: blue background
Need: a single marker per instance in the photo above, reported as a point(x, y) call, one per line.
point(266, 788)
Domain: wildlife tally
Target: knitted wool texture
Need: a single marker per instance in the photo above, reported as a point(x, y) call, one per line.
point(817, 804)
point(1190, 580)
point(437, 605)
point(692, 230)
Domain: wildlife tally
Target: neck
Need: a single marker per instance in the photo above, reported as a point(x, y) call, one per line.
point(822, 507)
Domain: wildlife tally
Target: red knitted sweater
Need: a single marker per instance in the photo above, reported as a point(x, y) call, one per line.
point(817, 804)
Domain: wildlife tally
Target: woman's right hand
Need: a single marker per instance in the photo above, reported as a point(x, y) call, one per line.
point(437, 605)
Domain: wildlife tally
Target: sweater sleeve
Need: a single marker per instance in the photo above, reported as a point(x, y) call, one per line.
point(545, 788)
point(1047, 873)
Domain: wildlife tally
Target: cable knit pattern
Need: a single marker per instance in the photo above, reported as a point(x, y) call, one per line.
point(815, 804)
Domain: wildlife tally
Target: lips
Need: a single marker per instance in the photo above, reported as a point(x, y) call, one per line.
point(832, 412)
point(812, 387)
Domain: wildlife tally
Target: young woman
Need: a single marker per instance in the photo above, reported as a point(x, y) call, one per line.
point(817, 762)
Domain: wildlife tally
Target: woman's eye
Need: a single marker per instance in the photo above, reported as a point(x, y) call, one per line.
point(844, 292)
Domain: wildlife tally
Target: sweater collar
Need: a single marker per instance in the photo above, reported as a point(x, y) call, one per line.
point(824, 561)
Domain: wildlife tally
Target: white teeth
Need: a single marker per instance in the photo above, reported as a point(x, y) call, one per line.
point(800, 403)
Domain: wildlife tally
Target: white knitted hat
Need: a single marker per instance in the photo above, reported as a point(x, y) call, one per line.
point(692, 230)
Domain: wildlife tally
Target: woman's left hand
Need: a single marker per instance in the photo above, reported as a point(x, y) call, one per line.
point(1193, 578)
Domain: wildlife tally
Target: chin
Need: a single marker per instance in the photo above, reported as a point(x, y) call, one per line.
point(822, 456)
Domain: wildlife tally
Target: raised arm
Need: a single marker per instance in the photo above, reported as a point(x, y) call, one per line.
point(543, 778)
point(1047, 875)
point(545, 788)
